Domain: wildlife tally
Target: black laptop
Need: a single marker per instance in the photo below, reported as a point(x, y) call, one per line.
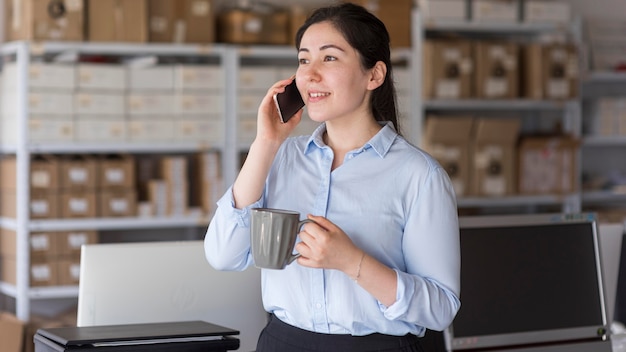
point(188, 336)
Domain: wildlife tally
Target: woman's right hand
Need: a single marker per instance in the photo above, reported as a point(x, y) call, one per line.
point(269, 125)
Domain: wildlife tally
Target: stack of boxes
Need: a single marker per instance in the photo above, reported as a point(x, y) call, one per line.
point(54, 256)
point(489, 157)
point(470, 68)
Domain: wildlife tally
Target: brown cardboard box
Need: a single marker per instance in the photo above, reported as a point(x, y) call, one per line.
point(44, 20)
point(117, 171)
point(181, 21)
point(253, 26)
point(69, 242)
point(448, 67)
point(117, 20)
point(41, 244)
point(44, 173)
point(78, 204)
point(297, 16)
point(496, 74)
point(548, 165)
point(493, 156)
point(174, 169)
point(42, 271)
point(78, 172)
point(68, 269)
point(207, 178)
point(551, 71)
point(11, 333)
point(42, 205)
point(396, 15)
point(116, 203)
point(447, 139)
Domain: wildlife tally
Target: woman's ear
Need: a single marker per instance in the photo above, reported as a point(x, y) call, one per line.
point(378, 74)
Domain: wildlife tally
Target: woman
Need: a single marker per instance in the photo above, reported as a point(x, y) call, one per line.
point(380, 264)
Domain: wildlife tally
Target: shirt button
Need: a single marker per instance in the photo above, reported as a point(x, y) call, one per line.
point(318, 305)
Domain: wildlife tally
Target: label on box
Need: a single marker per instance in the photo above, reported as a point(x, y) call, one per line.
point(200, 8)
point(558, 88)
point(78, 205)
point(78, 175)
point(448, 88)
point(76, 239)
point(495, 87)
point(114, 175)
point(40, 272)
point(118, 205)
point(40, 179)
point(39, 207)
point(40, 242)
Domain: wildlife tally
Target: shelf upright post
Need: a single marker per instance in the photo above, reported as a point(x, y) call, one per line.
point(230, 69)
point(22, 155)
point(416, 74)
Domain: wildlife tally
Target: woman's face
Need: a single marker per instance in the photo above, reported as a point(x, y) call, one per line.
point(330, 76)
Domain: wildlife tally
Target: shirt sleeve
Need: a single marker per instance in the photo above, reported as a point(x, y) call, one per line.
point(427, 293)
point(227, 240)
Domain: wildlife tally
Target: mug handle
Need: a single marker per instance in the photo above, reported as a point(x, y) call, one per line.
point(296, 255)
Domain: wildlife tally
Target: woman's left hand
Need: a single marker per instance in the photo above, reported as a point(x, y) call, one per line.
point(325, 245)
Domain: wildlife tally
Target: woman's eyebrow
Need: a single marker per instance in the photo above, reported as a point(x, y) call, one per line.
point(324, 47)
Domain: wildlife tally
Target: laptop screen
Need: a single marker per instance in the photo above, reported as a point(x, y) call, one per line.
point(149, 282)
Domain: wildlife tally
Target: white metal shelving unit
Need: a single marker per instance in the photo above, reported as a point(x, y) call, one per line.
point(571, 110)
point(229, 58)
point(597, 85)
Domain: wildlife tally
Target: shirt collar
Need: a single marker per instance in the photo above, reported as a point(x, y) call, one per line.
point(381, 142)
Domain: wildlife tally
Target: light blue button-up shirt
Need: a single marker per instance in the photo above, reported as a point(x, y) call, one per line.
point(392, 199)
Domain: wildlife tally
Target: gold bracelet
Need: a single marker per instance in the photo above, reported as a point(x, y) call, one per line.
point(358, 268)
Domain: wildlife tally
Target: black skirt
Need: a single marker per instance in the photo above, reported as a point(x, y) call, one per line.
point(278, 336)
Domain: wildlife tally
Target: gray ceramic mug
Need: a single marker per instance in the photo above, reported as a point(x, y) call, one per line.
point(273, 235)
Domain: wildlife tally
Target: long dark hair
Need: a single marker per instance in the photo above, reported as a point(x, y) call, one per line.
point(368, 35)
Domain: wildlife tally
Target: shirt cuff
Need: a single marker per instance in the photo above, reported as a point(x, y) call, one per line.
point(241, 216)
point(399, 307)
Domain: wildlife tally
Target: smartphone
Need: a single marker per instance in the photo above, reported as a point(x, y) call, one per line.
point(289, 102)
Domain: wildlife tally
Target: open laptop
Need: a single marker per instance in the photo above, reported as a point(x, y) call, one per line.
point(149, 282)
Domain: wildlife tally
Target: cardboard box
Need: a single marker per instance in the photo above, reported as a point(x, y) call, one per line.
point(118, 203)
point(44, 20)
point(497, 70)
point(117, 171)
point(101, 77)
point(207, 130)
point(548, 165)
point(199, 104)
point(155, 130)
point(42, 204)
point(68, 271)
point(41, 76)
point(78, 172)
point(41, 244)
point(101, 130)
point(69, 242)
point(506, 11)
point(44, 173)
point(547, 11)
point(11, 333)
point(181, 21)
point(252, 25)
point(494, 156)
point(433, 10)
point(447, 139)
point(146, 105)
point(42, 271)
point(41, 129)
point(96, 104)
point(78, 204)
point(151, 78)
point(198, 78)
point(448, 69)
point(207, 178)
point(551, 71)
point(158, 197)
point(396, 15)
point(117, 21)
